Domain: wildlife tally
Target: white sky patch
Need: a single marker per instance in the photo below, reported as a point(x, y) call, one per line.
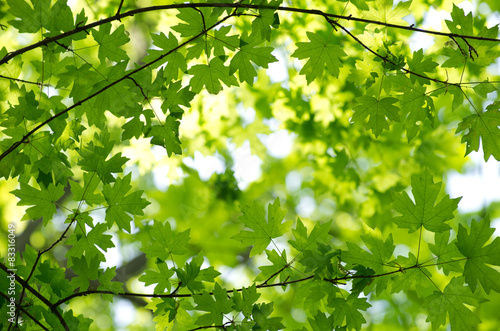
point(160, 177)
point(247, 115)
point(246, 166)
point(478, 187)
point(206, 165)
point(124, 313)
point(113, 256)
point(279, 144)
point(278, 71)
point(306, 206)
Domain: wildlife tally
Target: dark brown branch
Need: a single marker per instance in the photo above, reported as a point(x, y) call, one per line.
point(133, 12)
point(37, 294)
point(386, 59)
point(24, 81)
point(119, 7)
point(173, 294)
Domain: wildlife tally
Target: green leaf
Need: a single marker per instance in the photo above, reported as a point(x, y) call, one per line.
point(348, 309)
point(196, 21)
point(415, 104)
point(221, 40)
point(451, 302)
point(85, 244)
point(94, 155)
point(261, 315)
point(263, 231)
point(416, 279)
point(167, 135)
point(480, 256)
point(121, 205)
point(166, 242)
point(383, 11)
point(424, 212)
point(376, 259)
point(175, 60)
point(87, 192)
point(86, 270)
point(321, 55)
point(320, 322)
point(267, 18)
point(109, 43)
point(43, 201)
point(279, 262)
point(484, 126)
point(161, 278)
point(245, 300)
point(53, 18)
point(420, 66)
point(248, 53)
point(174, 97)
point(302, 241)
point(379, 110)
point(209, 76)
point(446, 252)
point(215, 305)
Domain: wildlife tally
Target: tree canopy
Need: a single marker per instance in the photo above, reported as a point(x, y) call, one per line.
point(246, 165)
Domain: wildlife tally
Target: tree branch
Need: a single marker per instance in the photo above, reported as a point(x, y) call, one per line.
point(133, 12)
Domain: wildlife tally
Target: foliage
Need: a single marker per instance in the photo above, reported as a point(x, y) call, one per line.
point(108, 107)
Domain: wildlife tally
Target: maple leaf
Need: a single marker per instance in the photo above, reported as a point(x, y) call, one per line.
point(480, 256)
point(279, 262)
point(85, 244)
point(446, 252)
point(263, 231)
point(55, 277)
point(320, 322)
point(302, 241)
point(174, 97)
point(424, 212)
point(221, 41)
point(321, 55)
point(451, 301)
point(167, 135)
point(378, 110)
point(161, 278)
point(416, 279)
point(484, 126)
point(86, 270)
point(57, 17)
point(248, 53)
point(383, 11)
point(418, 65)
point(86, 193)
point(209, 76)
point(267, 18)
point(244, 301)
point(109, 43)
point(415, 103)
point(376, 259)
point(216, 305)
point(106, 283)
point(175, 60)
point(43, 201)
point(166, 242)
point(94, 155)
point(120, 204)
point(348, 309)
point(261, 315)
